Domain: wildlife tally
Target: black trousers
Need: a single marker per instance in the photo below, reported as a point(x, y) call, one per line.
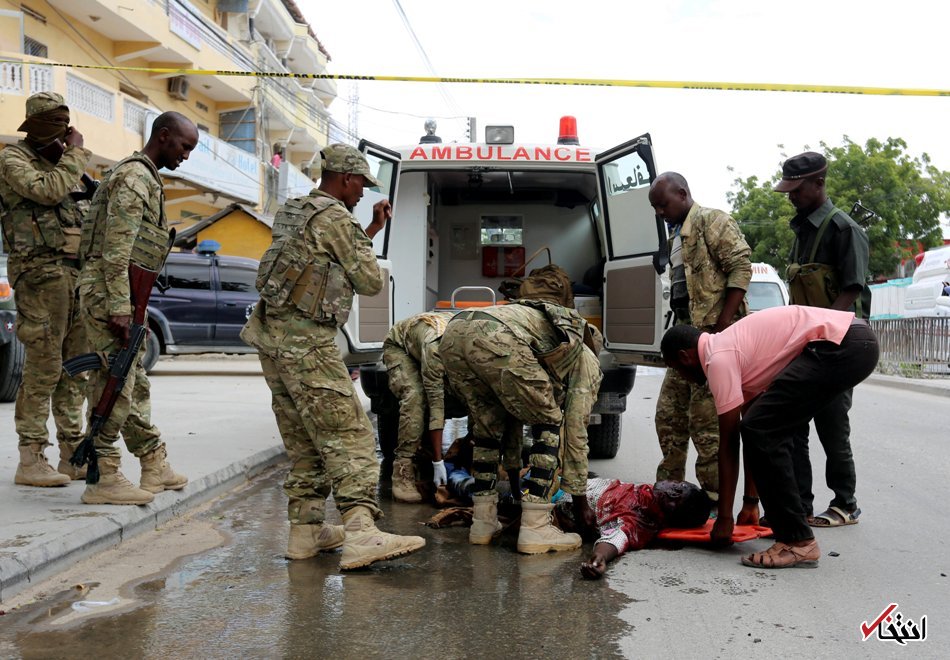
point(834, 432)
point(822, 372)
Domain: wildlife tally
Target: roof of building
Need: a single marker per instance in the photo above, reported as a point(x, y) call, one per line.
point(191, 233)
point(298, 16)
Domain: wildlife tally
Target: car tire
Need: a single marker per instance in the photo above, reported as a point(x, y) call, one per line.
point(153, 349)
point(12, 357)
point(603, 440)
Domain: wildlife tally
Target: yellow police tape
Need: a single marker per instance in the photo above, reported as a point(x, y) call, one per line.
point(588, 82)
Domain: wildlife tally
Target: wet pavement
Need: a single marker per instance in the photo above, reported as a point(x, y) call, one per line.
point(243, 599)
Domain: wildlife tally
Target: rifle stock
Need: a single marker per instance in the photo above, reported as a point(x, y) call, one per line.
point(120, 364)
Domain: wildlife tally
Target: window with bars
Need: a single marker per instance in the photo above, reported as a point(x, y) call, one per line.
point(35, 48)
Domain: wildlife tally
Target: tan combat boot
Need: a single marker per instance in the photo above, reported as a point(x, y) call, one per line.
point(157, 474)
point(66, 452)
point(538, 535)
point(363, 544)
point(310, 540)
point(404, 482)
point(485, 525)
point(113, 487)
point(34, 470)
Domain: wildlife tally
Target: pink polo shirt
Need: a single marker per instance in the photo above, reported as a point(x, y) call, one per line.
point(742, 361)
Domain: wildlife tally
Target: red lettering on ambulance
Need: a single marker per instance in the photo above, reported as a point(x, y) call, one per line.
point(583, 156)
point(418, 152)
point(542, 153)
point(442, 153)
point(463, 153)
point(521, 154)
point(483, 156)
point(562, 153)
point(500, 154)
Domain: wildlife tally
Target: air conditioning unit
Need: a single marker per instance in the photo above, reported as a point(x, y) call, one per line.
point(178, 88)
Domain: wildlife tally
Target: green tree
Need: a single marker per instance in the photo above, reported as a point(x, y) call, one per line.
point(908, 194)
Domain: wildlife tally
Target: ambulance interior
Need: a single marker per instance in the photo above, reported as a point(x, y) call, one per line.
point(482, 224)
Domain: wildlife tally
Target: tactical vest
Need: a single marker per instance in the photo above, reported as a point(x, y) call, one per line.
point(31, 228)
point(574, 335)
point(151, 242)
point(814, 284)
point(292, 274)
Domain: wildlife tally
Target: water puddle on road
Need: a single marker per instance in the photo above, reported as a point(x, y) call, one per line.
point(243, 599)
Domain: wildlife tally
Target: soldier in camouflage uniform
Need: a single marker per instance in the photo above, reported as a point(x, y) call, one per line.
point(417, 379)
point(126, 224)
point(526, 362)
point(318, 259)
point(710, 273)
point(41, 225)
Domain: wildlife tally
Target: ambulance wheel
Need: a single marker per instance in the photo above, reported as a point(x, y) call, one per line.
point(603, 440)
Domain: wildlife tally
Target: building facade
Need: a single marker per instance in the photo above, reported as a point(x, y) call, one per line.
point(89, 51)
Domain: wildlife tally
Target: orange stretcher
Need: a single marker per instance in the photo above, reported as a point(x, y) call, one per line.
point(740, 534)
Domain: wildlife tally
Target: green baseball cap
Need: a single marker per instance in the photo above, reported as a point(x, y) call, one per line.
point(347, 160)
point(43, 102)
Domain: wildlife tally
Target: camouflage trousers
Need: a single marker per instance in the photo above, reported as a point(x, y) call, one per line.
point(326, 433)
point(405, 382)
point(49, 327)
point(505, 387)
point(685, 410)
point(132, 414)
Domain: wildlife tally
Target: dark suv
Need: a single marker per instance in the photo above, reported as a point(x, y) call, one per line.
point(11, 350)
point(199, 304)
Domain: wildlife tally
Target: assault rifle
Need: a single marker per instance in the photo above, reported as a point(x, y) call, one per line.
point(119, 365)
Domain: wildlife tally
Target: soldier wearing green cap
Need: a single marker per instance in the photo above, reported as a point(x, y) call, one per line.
point(41, 225)
point(319, 259)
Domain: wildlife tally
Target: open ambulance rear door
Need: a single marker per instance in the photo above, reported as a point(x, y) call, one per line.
point(635, 243)
point(372, 316)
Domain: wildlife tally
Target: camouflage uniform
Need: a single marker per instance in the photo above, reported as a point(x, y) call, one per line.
point(500, 360)
point(40, 231)
point(126, 223)
point(416, 376)
point(716, 258)
point(325, 430)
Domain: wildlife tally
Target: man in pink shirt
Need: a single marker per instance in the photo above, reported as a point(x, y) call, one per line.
point(777, 367)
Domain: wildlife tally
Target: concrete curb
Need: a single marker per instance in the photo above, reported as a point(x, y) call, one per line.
point(935, 386)
point(47, 559)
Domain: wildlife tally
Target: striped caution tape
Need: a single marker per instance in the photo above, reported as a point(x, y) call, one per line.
point(582, 82)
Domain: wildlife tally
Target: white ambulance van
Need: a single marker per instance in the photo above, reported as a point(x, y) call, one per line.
point(766, 289)
point(467, 216)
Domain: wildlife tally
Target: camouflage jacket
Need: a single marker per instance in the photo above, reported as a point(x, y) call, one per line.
point(35, 186)
point(716, 258)
point(333, 235)
point(129, 201)
point(419, 336)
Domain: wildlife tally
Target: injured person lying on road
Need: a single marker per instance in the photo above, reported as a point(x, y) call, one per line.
point(629, 516)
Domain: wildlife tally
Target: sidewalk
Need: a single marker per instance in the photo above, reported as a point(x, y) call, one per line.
point(215, 417)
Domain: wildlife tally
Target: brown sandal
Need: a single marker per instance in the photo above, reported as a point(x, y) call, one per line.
point(782, 555)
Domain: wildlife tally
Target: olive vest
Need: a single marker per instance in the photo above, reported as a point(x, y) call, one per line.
point(31, 229)
point(293, 274)
point(151, 242)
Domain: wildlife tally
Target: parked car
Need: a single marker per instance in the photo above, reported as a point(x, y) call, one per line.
point(199, 304)
point(12, 353)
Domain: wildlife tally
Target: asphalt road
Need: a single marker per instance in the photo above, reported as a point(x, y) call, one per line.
point(241, 599)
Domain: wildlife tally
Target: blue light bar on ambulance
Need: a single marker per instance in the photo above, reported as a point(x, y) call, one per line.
point(499, 135)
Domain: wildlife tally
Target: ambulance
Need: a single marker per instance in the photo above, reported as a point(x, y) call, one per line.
point(468, 216)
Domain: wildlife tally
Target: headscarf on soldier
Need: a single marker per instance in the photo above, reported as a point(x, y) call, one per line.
point(47, 119)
